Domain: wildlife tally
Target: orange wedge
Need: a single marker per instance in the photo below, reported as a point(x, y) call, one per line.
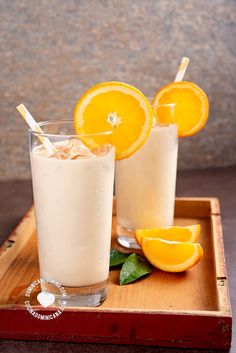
point(171, 256)
point(190, 107)
point(116, 107)
point(183, 234)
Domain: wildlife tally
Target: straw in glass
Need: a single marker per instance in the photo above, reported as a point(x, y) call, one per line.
point(36, 128)
point(182, 69)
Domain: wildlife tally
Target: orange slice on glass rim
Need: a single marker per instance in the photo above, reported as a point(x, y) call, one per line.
point(116, 107)
point(176, 233)
point(190, 107)
point(171, 256)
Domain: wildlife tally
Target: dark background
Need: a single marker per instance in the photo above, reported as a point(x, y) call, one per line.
point(52, 51)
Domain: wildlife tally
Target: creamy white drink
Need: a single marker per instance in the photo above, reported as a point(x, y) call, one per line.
point(145, 183)
point(73, 193)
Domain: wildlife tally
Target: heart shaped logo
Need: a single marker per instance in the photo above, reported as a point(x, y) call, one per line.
point(45, 299)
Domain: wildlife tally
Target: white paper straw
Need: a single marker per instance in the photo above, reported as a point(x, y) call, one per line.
point(182, 69)
point(35, 127)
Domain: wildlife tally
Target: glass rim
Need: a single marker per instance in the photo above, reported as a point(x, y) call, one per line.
point(164, 125)
point(61, 121)
point(167, 105)
point(150, 99)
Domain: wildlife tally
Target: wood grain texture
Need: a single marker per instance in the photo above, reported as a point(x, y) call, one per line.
point(166, 329)
point(185, 301)
point(16, 241)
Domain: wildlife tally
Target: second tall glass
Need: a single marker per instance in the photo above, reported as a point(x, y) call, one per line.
point(145, 185)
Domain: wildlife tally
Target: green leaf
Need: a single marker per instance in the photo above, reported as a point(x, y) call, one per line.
point(117, 257)
point(133, 268)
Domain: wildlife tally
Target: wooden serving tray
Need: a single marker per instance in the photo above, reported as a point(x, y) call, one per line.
point(190, 309)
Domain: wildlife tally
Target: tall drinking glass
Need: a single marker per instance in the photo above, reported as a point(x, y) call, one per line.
point(73, 192)
point(145, 184)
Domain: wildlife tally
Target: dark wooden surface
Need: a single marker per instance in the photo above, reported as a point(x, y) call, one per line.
point(16, 197)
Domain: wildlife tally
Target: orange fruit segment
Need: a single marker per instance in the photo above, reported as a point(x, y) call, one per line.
point(190, 107)
point(171, 256)
point(176, 233)
point(118, 108)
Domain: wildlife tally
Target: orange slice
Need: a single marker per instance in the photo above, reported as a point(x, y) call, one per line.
point(183, 234)
point(116, 107)
point(190, 107)
point(171, 256)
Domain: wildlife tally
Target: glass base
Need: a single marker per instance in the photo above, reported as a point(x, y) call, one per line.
point(88, 296)
point(125, 237)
